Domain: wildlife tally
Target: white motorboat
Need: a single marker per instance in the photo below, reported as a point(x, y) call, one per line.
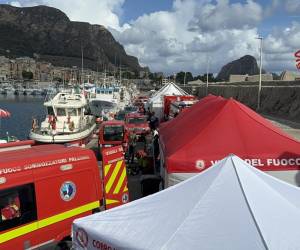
point(104, 100)
point(8, 90)
point(67, 120)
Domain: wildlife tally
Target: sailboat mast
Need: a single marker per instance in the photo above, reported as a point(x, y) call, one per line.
point(82, 65)
point(120, 72)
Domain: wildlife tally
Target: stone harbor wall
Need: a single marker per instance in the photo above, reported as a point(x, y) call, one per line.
point(281, 101)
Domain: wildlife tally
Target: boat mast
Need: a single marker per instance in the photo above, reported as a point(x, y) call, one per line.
point(120, 72)
point(104, 81)
point(82, 80)
point(115, 67)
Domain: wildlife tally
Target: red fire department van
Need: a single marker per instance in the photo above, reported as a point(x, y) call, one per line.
point(173, 105)
point(177, 107)
point(44, 188)
point(137, 123)
point(113, 133)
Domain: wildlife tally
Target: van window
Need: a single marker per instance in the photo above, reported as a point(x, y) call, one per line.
point(17, 206)
point(113, 133)
point(137, 120)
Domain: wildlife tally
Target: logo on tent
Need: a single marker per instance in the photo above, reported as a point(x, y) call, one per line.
point(200, 164)
point(82, 237)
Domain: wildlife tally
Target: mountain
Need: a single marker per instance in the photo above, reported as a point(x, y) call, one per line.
point(48, 34)
point(245, 65)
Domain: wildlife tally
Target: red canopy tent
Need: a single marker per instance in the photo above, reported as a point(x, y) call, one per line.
point(215, 127)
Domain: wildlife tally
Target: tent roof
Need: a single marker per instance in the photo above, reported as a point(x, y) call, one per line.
point(169, 89)
point(215, 127)
point(229, 206)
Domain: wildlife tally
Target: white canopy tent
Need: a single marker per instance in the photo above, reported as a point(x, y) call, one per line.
point(229, 206)
point(156, 102)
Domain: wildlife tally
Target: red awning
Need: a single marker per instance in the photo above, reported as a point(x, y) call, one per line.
point(215, 127)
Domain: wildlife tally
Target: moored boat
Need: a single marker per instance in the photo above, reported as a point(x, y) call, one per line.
point(104, 101)
point(67, 120)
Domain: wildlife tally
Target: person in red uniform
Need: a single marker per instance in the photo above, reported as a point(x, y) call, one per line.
point(12, 209)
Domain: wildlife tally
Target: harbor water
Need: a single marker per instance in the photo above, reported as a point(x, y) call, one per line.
point(23, 109)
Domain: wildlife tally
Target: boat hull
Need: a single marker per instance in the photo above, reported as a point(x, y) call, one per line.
point(98, 106)
point(79, 138)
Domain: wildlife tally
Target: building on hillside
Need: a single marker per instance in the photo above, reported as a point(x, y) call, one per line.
point(143, 74)
point(43, 71)
point(4, 68)
point(25, 64)
point(3, 77)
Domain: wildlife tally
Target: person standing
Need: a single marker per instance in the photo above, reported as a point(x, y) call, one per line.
point(156, 151)
point(132, 146)
point(154, 122)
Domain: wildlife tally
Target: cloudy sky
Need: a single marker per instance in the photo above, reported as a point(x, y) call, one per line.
point(188, 35)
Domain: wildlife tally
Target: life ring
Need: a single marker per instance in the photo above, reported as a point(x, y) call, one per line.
point(53, 124)
point(297, 55)
point(34, 124)
point(71, 126)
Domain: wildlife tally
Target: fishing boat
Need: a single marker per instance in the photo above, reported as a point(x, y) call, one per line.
point(67, 120)
point(8, 90)
point(104, 101)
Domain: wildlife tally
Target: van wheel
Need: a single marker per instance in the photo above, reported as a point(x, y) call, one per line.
point(64, 245)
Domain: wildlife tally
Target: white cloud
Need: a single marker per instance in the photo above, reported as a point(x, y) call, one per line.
point(183, 39)
point(104, 12)
point(224, 15)
point(292, 6)
point(280, 46)
point(271, 8)
point(15, 3)
point(168, 44)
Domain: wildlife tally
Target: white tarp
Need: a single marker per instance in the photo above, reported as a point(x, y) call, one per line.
point(156, 102)
point(231, 205)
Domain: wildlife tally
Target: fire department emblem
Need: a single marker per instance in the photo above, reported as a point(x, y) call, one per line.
point(200, 164)
point(125, 198)
point(82, 238)
point(67, 191)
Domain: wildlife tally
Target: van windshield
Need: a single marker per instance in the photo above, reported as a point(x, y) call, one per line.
point(113, 133)
point(137, 120)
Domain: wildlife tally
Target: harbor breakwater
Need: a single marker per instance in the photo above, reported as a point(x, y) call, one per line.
point(281, 101)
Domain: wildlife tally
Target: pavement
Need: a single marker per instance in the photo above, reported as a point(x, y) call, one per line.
point(292, 128)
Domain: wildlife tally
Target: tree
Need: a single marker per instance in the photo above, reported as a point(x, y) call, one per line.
point(28, 75)
point(203, 77)
point(184, 77)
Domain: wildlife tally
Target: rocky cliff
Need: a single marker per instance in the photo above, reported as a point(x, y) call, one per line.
point(245, 65)
point(48, 34)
